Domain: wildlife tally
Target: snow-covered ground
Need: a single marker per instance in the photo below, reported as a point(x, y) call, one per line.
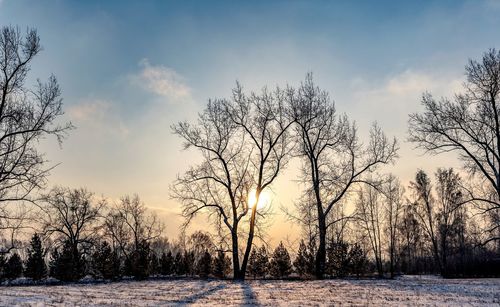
point(406, 291)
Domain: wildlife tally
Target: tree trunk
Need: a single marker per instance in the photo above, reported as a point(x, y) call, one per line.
point(321, 254)
point(250, 240)
point(236, 259)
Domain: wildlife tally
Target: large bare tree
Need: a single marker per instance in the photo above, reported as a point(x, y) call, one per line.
point(71, 216)
point(468, 124)
point(27, 115)
point(334, 158)
point(245, 144)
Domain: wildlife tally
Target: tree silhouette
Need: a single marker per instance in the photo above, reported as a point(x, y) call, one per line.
point(27, 115)
point(35, 264)
point(468, 124)
point(335, 159)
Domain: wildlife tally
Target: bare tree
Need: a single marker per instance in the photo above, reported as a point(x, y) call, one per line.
point(394, 201)
point(129, 225)
point(370, 217)
point(244, 143)
point(265, 123)
point(334, 159)
point(425, 209)
point(468, 124)
point(26, 117)
point(72, 216)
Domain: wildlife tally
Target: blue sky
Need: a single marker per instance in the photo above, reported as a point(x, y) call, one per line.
point(130, 69)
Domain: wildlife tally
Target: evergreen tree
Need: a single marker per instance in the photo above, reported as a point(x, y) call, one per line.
point(154, 264)
point(304, 262)
point(139, 261)
point(205, 265)
point(338, 260)
point(253, 269)
point(222, 265)
point(67, 265)
point(36, 268)
point(166, 263)
point(280, 265)
point(105, 262)
point(13, 267)
point(358, 260)
point(189, 262)
point(179, 264)
point(258, 263)
point(3, 264)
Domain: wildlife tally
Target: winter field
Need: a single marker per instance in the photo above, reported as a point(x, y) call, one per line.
point(406, 291)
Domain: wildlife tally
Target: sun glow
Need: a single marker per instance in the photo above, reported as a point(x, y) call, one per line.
point(264, 199)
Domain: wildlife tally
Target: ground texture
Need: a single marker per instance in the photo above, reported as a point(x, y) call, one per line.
point(406, 291)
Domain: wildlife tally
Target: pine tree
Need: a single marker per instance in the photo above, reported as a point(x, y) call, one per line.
point(13, 267)
point(166, 263)
point(189, 262)
point(253, 269)
point(304, 262)
point(139, 261)
point(67, 265)
point(205, 265)
point(280, 265)
point(154, 264)
point(179, 264)
point(358, 260)
point(3, 264)
point(36, 268)
point(262, 262)
point(105, 262)
point(222, 265)
point(338, 260)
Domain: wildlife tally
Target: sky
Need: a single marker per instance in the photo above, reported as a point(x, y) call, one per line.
point(128, 70)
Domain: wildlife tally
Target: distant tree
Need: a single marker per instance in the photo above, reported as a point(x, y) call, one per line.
point(13, 267)
point(370, 219)
point(205, 265)
point(72, 215)
point(304, 262)
point(222, 265)
point(190, 262)
point(3, 263)
point(105, 262)
point(338, 259)
point(36, 268)
point(67, 265)
point(468, 124)
point(154, 264)
point(179, 264)
point(138, 264)
point(280, 265)
point(166, 263)
point(27, 116)
point(252, 264)
point(393, 207)
point(358, 260)
point(335, 159)
point(133, 229)
point(259, 264)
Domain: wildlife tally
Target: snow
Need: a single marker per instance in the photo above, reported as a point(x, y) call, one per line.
point(405, 291)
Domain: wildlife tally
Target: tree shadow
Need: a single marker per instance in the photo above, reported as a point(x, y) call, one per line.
point(202, 293)
point(249, 297)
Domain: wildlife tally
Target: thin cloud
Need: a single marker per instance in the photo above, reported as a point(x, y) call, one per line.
point(161, 80)
point(99, 115)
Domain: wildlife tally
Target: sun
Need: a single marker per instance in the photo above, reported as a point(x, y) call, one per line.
point(264, 199)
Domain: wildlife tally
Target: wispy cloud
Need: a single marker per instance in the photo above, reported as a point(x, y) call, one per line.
point(98, 114)
point(161, 80)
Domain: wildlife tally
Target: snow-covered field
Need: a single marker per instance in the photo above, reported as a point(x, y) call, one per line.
point(406, 291)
